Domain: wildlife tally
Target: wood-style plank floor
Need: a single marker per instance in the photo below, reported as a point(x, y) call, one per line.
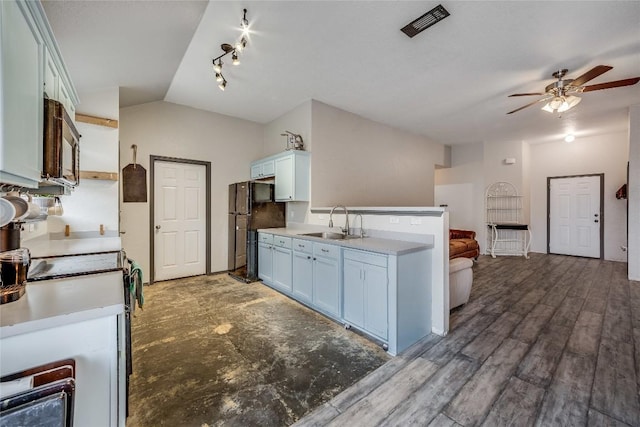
point(552, 340)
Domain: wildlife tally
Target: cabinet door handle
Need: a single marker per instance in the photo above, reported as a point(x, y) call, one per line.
point(314, 258)
point(308, 257)
point(324, 250)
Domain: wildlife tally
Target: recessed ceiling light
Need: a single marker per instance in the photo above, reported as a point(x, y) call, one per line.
point(569, 138)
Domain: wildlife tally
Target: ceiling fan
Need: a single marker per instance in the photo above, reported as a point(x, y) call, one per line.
point(560, 95)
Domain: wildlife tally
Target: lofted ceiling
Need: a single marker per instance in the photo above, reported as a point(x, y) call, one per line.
point(450, 83)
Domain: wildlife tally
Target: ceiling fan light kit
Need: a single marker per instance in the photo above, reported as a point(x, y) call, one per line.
point(560, 95)
point(234, 50)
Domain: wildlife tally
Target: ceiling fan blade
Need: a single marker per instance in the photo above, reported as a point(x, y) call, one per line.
point(527, 94)
point(609, 85)
point(528, 105)
point(591, 74)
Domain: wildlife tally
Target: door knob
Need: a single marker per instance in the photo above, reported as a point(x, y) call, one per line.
point(595, 220)
point(596, 215)
point(158, 227)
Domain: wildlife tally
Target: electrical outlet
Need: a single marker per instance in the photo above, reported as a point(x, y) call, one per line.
point(291, 214)
point(394, 220)
point(416, 221)
point(320, 216)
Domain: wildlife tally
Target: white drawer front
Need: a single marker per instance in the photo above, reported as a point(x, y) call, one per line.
point(329, 251)
point(283, 242)
point(265, 238)
point(302, 246)
point(366, 257)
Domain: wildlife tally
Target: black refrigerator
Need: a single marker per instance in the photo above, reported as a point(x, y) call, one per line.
point(251, 207)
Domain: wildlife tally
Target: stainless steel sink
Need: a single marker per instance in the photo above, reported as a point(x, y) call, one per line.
point(330, 236)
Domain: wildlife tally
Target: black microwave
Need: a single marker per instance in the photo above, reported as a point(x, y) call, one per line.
point(61, 156)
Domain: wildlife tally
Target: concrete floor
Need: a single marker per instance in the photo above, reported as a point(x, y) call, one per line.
point(212, 351)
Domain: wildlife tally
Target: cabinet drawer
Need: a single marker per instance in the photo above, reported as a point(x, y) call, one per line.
point(265, 238)
point(283, 242)
point(324, 250)
point(302, 246)
point(366, 257)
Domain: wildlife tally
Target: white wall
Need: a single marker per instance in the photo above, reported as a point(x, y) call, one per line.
point(483, 164)
point(171, 130)
point(467, 173)
point(586, 155)
point(633, 193)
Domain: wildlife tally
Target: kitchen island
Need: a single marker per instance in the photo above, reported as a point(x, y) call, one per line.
point(380, 286)
point(80, 318)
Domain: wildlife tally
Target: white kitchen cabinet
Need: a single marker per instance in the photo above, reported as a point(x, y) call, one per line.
point(386, 296)
point(302, 279)
point(263, 169)
point(275, 261)
point(265, 257)
point(21, 106)
point(366, 292)
point(51, 76)
point(282, 268)
point(292, 177)
point(291, 172)
point(30, 68)
point(326, 279)
point(316, 276)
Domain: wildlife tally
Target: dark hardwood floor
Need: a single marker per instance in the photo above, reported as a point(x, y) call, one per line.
point(552, 340)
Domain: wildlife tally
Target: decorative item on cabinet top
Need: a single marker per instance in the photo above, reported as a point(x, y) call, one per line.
point(294, 141)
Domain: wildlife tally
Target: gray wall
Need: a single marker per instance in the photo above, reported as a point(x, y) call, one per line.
point(358, 162)
point(166, 129)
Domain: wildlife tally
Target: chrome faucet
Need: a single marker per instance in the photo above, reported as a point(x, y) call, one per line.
point(345, 230)
point(361, 229)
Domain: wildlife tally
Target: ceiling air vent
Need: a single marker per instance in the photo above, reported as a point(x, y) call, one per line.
point(436, 14)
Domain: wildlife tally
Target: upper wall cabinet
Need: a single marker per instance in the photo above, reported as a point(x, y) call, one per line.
point(292, 177)
point(21, 68)
point(30, 69)
point(291, 171)
point(263, 169)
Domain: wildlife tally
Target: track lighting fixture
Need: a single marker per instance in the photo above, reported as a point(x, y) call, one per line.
point(233, 50)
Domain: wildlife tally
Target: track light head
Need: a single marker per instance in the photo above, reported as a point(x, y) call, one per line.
point(244, 24)
point(223, 84)
point(217, 67)
point(234, 58)
point(219, 77)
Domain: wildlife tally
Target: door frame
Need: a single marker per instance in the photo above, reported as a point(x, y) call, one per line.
point(601, 213)
point(207, 165)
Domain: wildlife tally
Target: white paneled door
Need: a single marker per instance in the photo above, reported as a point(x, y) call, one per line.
point(180, 223)
point(575, 216)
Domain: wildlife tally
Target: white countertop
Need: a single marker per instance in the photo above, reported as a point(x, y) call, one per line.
point(43, 246)
point(51, 303)
point(373, 244)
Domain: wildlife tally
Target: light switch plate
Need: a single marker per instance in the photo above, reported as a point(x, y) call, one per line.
point(320, 216)
point(394, 220)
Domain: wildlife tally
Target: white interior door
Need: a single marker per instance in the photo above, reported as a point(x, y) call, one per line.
point(180, 223)
point(575, 216)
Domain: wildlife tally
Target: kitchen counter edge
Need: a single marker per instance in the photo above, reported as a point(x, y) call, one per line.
point(371, 244)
